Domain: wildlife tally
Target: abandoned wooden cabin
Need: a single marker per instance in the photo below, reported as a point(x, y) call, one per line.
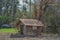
point(30, 26)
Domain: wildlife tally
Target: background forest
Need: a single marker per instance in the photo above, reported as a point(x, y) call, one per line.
point(48, 11)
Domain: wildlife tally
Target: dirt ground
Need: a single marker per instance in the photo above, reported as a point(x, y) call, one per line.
point(6, 36)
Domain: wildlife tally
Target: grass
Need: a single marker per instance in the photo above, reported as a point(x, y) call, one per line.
point(8, 30)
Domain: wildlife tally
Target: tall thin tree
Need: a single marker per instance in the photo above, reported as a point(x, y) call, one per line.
point(41, 10)
point(35, 10)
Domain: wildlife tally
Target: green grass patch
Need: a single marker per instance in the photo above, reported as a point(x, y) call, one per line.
point(8, 30)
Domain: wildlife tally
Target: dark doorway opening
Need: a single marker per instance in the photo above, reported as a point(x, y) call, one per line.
point(21, 29)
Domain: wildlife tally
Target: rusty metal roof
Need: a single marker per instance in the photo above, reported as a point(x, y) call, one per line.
point(31, 22)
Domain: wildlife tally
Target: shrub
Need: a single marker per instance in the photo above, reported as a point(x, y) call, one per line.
point(4, 19)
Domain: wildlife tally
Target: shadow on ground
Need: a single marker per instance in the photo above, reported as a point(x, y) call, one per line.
point(18, 35)
point(22, 36)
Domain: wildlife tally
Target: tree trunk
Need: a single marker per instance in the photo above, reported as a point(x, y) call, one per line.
point(35, 10)
point(0, 6)
point(41, 10)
